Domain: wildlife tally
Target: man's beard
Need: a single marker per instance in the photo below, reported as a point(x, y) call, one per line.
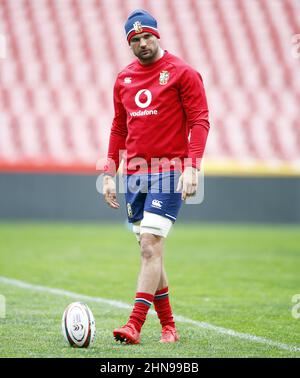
point(149, 56)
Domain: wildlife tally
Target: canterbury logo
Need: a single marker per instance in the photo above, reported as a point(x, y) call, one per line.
point(156, 203)
point(137, 100)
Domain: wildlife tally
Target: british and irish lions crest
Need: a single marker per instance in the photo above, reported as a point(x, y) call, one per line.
point(164, 77)
point(137, 26)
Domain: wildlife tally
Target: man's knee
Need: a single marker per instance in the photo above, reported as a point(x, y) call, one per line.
point(149, 246)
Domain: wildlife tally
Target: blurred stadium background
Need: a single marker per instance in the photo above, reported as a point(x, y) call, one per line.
point(57, 69)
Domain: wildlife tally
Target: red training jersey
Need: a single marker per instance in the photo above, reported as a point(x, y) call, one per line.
point(160, 112)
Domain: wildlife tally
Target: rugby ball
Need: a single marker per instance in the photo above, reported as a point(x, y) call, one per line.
point(78, 325)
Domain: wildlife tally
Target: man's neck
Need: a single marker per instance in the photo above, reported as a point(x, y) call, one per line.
point(160, 53)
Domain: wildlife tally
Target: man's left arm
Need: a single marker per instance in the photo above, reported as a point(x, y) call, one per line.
point(195, 106)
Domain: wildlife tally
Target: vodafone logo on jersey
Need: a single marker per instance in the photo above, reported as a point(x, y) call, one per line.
point(143, 99)
point(143, 93)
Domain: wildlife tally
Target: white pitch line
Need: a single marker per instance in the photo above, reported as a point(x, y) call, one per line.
point(178, 318)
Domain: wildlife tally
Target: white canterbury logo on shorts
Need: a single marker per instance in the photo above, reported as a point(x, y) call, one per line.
point(157, 204)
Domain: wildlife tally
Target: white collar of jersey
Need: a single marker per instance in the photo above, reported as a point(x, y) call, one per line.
point(162, 52)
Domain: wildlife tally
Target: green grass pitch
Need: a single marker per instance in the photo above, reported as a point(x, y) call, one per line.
point(240, 278)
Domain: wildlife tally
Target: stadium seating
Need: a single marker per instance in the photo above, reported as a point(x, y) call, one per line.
point(62, 57)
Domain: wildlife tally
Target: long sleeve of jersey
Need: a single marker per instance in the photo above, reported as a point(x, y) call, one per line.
point(194, 102)
point(118, 134)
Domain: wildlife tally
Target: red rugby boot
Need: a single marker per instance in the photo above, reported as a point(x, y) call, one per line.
point(127, 334)
point(169, 335)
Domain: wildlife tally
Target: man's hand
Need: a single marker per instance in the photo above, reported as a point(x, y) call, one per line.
point(109, 192)
point(188, 183)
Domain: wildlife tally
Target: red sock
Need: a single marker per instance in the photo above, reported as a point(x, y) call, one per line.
point(142, 304)
point(163, 308)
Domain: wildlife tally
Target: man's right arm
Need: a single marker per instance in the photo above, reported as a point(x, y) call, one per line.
point(117, 141)
point(118, 134)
